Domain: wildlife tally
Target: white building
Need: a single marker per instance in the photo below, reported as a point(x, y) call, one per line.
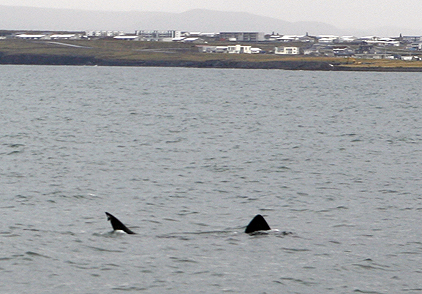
point(287, 50)
point(327, 39)
point(410, 58)
point(126, 37)
point(294, 38)
point(347, 39)
point(388, 42)
point(31, 36)
point(159, 35)
point(411, 39)
point(243, 36)
point(415, 46)
point(64, 36)
point(104, 33)
point(190, 40)
point(239, 49)
point(256, 50)
point(212, 49)
point(287, 38)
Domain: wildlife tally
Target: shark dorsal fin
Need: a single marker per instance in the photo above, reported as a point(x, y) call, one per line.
point(258, 223)
point(116, 224)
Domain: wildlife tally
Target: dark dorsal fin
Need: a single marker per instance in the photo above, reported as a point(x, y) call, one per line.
point(258, 223)
point(117, 225)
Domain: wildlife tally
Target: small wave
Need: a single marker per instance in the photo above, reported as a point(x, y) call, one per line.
point(370, 265)
point(299, 281)
point(172, 236)
point(35, 254)
point(15, 152)
point(183, 260)
point(367, 292)
point(295, 249)
point(130, 288)
point(103, 249)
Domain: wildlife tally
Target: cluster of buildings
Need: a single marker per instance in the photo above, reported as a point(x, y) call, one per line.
point(321, 45)
point(401, 47)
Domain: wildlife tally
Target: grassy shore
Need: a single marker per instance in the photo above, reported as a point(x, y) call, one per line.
point(139, 53)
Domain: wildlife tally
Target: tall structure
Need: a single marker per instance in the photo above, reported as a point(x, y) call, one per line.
point(156, 35)
point(243, 36)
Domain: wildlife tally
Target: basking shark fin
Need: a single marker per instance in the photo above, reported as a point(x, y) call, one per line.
point(117, 225)
point(258, 223)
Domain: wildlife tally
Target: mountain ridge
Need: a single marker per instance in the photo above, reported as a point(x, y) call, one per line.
point(202, 20)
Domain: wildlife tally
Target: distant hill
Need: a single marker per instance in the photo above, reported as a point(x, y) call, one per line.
point(216, 21)
point(199, 20)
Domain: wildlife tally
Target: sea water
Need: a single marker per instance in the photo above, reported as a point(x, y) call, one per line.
point(187, 157)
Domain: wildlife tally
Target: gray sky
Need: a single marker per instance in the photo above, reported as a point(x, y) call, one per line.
point(360, 14)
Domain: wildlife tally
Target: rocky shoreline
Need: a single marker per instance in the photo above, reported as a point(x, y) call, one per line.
point(46, 59)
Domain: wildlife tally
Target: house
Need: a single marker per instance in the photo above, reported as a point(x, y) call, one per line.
point(410, 58)
point(221, 49)
point(343, 51)
point(417, 46)
point(365, 48)
point(235, 49)
point(239, 49)
point(287, 50)
point(311, 51)
point(212, 49)
point(206, 49)
point(319, 50)
point(370, 52)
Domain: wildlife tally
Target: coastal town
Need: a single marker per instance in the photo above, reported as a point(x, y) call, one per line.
point(401, 47)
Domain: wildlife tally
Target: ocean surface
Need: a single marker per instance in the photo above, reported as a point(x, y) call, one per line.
point(187, 157)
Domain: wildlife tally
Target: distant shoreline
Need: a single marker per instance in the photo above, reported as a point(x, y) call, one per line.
point(162, 54)
point(45, 59)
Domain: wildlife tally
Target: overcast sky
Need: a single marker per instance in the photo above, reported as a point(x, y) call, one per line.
point(360, 14)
